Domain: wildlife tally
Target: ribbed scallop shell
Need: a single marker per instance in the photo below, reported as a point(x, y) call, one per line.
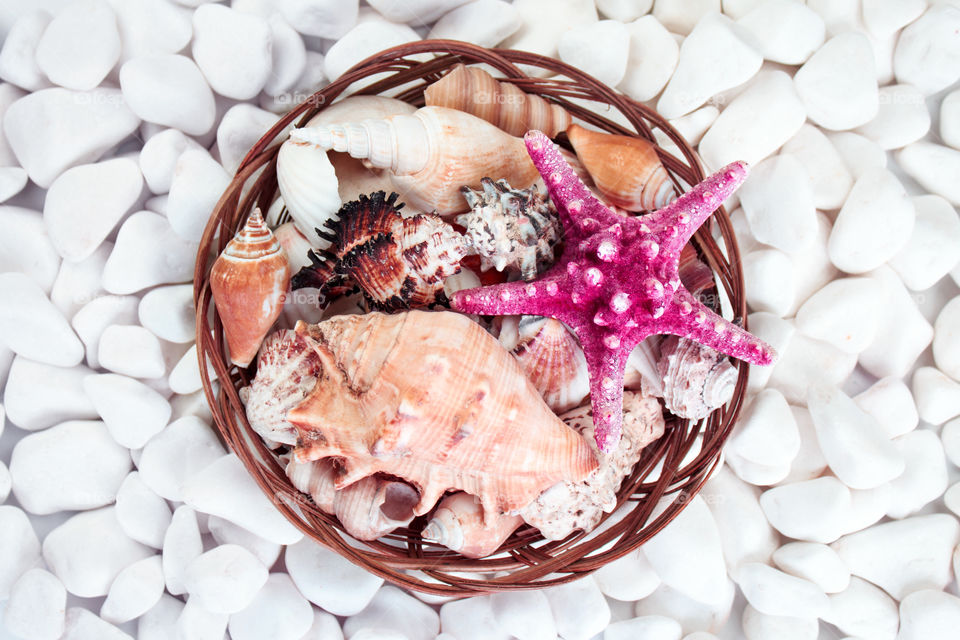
point(308, 184)
point(459, 525)
point(626, 170)
point(553, 361)
point(475, 91)
point(696, 379)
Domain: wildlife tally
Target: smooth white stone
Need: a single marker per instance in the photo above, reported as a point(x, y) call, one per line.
point(766, 432)
point(776, 332)
point(327, 627)
point(946, 340)
point(55, 129)
point(951, 500)
point(652, 627)
point(142, 514)
point(700, 635)
point(760, 626)
point(225, 489)
point(683, 16)
point(416, 12)
point(624, 10)
point(39, 395)
point(928, 52)
point(891, 404)
point(329, 580)
point(307, 84)
point(135, 591)
point(362, 41)
point(89, 550)
point(6, 482)
point(768, 274)
point(198, 182)
point(933, 166)
point(526, 615)
point(394, 610)
point(813, 510)
point(755, 123)
point(579, 609)
point(693, 125)
point(544, 21)
point(815, 562)
point(863, 610)
point(627, 579)
point(860, 154)
point(830, 180)
point(887, 16)
point(744, 532)
point(757, 473)
point(925, 477)
point(786, 32)
point(700, 576)
point(81, 624)
point(12, 182)
point(177, 453)
point(6, 360)
point(225, 579)
point(874, 224)
point(185, 375)
point(807, 362)
point(288, 54)
point(18, 60)
point(905, 555)
point(225, 532)
point(903, 332)
point(903, 117)
point(232, 49)
point(599, 49)
point(37, 606)
point(486, 23)
point(867, 507)
point(25, 246)
point(844, 313)
point(934, 244)
point(691, 614)
point(472, 619)
point(181, 545)
point(838, 83)
point(929, 615)
point(132, 351)
point(790, 223)
point(196, 621)
point(937, 396)
point(950, 436)
point(19, 547)
point(168, 313)
point(148, 252)
point(159, 623)
point(149, 27)
point(949, 118)
point(700, 74)
point(51, 469)
point(278, 611)
point(78, 283)
point(776, 593)
point(100, 313)
point(651, 60)
point(8, 95)
point(322, 18)
point(159, 156)
point(241, 127)
point(32, 327)
point(168, 90)
point(80, 45)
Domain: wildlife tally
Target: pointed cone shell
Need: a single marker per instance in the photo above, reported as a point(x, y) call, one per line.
point(553, 361)
point(475, 91)
point(249, 282)
point(459, 525)
point(626, 170)
point(433, 399)
point(308, 184)
point(696, 379)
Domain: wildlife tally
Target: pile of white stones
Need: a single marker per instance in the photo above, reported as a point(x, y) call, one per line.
point(122, 121)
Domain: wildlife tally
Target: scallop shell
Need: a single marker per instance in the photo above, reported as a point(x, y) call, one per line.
point(696, 379)
point(308, 184)
point(570, 506)
point(475, 91)
point(396, 262)
point(553, 361)
point(431, 398)
point(430, 154)
point(511, 228)
point(626, 170)
point(459, 525)
point(249, 281)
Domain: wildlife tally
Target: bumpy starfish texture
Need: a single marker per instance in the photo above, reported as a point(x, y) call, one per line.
point(617, 281)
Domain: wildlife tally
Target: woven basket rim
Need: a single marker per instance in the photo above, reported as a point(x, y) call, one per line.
point(525, 561)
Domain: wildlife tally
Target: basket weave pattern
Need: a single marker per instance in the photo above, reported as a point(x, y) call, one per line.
point(526, 560)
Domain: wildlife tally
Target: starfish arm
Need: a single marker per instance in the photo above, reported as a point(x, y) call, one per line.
point(689, 318)
point(508, 298)
point(606, 367)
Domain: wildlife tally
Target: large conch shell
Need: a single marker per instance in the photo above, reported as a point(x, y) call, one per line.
point(626, 170)
point(431, 398)
point(356, 108)
point(430, 154)
point(459, 525)
point(475, 91)
point(249, 282)
point(696, 378)
point(308, 185)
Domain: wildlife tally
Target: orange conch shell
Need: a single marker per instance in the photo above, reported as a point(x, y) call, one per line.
point(249, 282)
point(475, 91)
point(626, 170)
point(459, 525)
point(431, 398)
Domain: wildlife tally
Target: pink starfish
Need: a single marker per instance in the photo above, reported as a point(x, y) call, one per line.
point(617, 281)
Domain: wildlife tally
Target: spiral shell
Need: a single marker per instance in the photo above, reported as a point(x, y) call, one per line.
point(553, 361)
point(475, 91)
point(459, 525)
point(696, 379)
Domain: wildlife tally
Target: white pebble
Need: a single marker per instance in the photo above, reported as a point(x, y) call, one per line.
point(683, 16)
point(39, 395)
point(693, 125)
point(19, 547)
point(80, 45)
point(905, 555)
point(232, 49)
point(196, 621)
point(241, 127)
point(18, 60)
point(946, 341)
point(937, 396)
point(837, 84)
point(768, 278)
point(813, 510)
point(417, 12)
point(526, 615)
point(807, 362)
point(651, 60)
point(6, 482)
point(928, 52)
point(142, 514)
point(472, 619)
point(890, 402)
point(691, 614)
point(776, 332)
point(12, 182)
point(934, 166)
point(624, 10)
point(950, 436)
point(37, 606)
point(132, 351)
point(159, 623)
point(225, 532)
point(786, 32)
point(579, 609)
point(198, 182)
point(395, 610)
point(812, 268)
point(647, 627)
point(288, 54)
point(225, 579)
point(329, 580)
point(809, 462)
point(755, 123)
point(132, 411)
point(863, 610)
point(362, 41)
point(887, 16)
point(925, 476)
point(486, 23)
point(51, 469)
point(949, 118)
point(903, 332)
point(323, 18)
point(168, 90)
point(181, 545)
point(903, 117)
point(628, 578)
point(149, 27)
point(815, 562)
point(867, 507)
point(159, 156)
point(8, 95)
point(148, 252)
point(278, 611)
point(934, 244)
point(766, 432)
point(843, 313)
point(779, 594)
point(760, 626)
point(78, 283)
point(32, 327)
point(599, 49)
point(174, 455)
point(98, 314)
point(744, 532)
point(89, 550)
point(25, 246)
point(81, 624)
point(185, 375)
point(168, 313)
point(788, 224)
point(860, 154)
point(135, 591)
point(929, 615)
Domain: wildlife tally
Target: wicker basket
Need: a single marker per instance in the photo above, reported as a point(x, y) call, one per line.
point(526, 560)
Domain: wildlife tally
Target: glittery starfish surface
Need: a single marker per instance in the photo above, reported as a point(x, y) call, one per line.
point(617, 281)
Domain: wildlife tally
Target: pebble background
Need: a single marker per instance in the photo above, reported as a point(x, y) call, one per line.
point(835, 514)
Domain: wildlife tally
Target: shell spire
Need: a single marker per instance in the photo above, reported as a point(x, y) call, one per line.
point(459, 525)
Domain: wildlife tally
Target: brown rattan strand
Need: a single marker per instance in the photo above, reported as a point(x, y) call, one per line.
point(667, 476)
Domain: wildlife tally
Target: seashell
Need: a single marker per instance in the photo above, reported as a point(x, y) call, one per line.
point(642, 367)
point(430, 398)
point(694, 273)
point(430, 154)
point(357, 108)
point(459, 525)
point(316, 479)
point(475, 91)
point(570, 506)
point(308, 184)
point(396, 262)
point(249, 281)
point(553, 361)
point(696, 379)
point(515, 228)
point(294, 244)
point(626, 170)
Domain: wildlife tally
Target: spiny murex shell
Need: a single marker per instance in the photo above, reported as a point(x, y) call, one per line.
point(696, 378)
point(507, 227)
